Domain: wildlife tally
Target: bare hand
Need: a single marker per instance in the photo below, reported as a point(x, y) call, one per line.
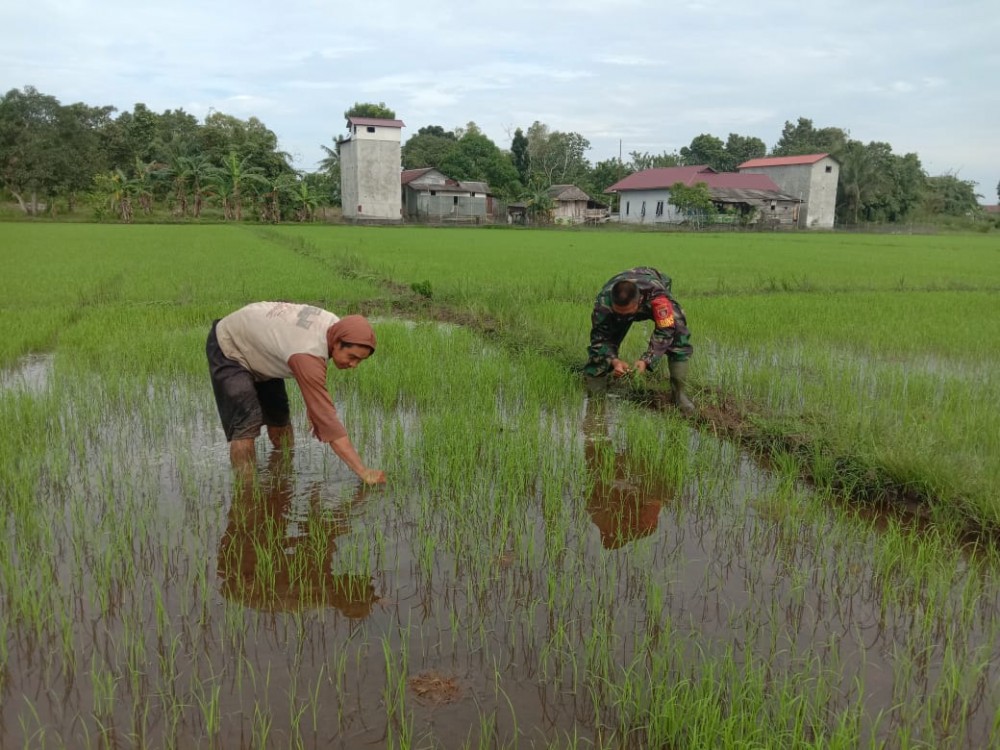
point(373, 476)
point(641, 366)
point(619, 368)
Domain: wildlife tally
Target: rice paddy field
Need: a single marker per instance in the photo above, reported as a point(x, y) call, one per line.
point(810, 562)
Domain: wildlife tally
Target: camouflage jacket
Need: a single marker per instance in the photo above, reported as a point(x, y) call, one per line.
point(670, 333)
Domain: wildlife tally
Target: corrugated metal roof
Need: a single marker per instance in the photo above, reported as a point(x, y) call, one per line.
point(659, 177)
point(409, 175)
point(375, 121)
point(782, 161)
point(475, 187)
point(749, 195)
point(450, 186)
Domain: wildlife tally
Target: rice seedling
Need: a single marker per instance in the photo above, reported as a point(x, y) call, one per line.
point(590, 572)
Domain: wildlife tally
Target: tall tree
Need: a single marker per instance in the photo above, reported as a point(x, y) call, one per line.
point(250, 140)
point(329, 169)
point(428, 147)
point(605, 174)
point(742, 148)
point(803, 138)
point(707, 149)
point(949, 195)
point(29, 141)
point(234, 181)
point(641, 161)
point(80, 153)
point(476, 157)
point(877, 185)
point(520, 157)
point(368, 109)
point(556, 157)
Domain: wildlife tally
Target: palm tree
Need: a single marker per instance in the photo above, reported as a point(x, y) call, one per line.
point(279, 191)
point(538, 202)
point(233, 180)
point(198, 169)
point(145, 173)
point(114, 191)
point(305, 200)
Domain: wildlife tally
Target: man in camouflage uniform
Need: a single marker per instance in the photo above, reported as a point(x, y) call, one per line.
point(639, 294)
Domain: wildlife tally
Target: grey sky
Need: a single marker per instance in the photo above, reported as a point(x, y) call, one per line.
point(635, 75)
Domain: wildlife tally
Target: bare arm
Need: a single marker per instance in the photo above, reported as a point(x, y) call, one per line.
point(347, 453)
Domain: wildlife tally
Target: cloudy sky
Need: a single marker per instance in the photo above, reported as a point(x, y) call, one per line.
point(627, 75)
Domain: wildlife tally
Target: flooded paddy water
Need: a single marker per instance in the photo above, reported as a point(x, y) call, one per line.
point(541, 570)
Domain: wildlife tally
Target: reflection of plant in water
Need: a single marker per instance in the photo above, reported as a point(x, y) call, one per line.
point(264, 567)
point(623, 504)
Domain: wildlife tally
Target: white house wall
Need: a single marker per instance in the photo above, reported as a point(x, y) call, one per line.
point(630, 209)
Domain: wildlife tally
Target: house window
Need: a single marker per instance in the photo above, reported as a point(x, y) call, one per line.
point(774, 205)
point(454, 200)
point(371, 128)
point(659, 208)
point(627, 204)
point(642, 212)
point(829, 169)
point(434, 192)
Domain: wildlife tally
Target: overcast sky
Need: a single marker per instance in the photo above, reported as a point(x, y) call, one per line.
point(627, 75)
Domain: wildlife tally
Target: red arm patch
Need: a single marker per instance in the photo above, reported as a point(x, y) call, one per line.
point(663, 312)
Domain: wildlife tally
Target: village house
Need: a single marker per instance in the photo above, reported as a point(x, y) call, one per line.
point(645, 196)
point(430, 196)
point(812, 178)
point(573, 206)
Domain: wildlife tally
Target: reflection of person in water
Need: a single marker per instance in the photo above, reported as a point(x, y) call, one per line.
point(262, 567)
point(622, 510)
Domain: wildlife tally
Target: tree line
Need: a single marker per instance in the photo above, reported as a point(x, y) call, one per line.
point(55, 155)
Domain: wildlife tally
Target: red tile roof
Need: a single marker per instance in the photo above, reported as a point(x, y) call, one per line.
point(782, 161)
point(659, 177)
point(748, 181)
point(663, 177)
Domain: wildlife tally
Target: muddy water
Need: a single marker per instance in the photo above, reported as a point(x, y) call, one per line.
point(182, 608)
point(30, 373)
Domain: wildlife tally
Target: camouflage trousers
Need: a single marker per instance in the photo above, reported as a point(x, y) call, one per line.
point(600, 355)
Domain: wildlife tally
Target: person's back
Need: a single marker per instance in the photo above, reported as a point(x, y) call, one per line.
point(640, 293)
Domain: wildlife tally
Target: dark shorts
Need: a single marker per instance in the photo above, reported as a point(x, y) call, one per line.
point(244, 403)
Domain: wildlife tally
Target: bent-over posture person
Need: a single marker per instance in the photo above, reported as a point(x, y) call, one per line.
point(253, 350)
point(641, 293)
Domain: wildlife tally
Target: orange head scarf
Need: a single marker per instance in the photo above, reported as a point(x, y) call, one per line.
point(352, 329)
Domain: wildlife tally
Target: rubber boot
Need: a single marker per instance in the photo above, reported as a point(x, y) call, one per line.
point(678, 381)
